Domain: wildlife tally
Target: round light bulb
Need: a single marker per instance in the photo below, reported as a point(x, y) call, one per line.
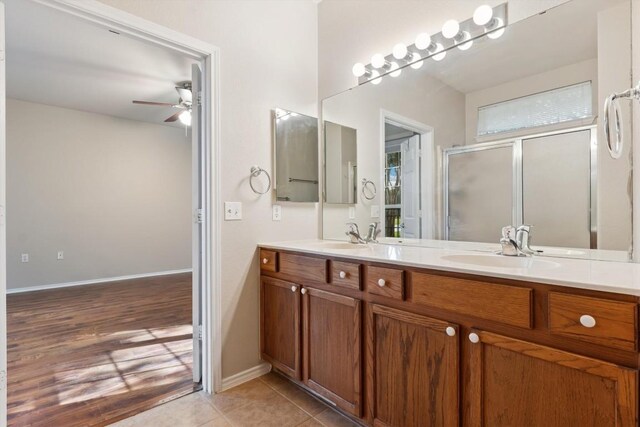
point(400, 51)
point(450, 29)
point(423, 41)
point(377, 60)
point(395, 70)
point(497, 33)
point(416, 60)
point(439, 53)
point(375, 77)
point(465, 45)
point(185, 118)
point(483, 14)
point(359, 70)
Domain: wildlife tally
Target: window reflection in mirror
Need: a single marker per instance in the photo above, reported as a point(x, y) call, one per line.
point(508, 132)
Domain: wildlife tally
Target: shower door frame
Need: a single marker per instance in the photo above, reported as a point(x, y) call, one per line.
point(516, 143)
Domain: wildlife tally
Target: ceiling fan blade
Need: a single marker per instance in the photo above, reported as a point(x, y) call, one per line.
point(162, 104)
point(174, 117)
point(185, 94)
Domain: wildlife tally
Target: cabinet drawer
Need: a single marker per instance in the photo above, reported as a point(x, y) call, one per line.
point(303, 268)
point(599, 321)
point(268, 260)
point(511, 305)
point(388, 282)
point(345, 274)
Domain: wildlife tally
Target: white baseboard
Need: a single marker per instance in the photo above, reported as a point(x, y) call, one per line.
point(95, 281)
point(244, 376)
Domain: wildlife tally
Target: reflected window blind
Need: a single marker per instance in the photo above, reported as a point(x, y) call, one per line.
point(541, 109)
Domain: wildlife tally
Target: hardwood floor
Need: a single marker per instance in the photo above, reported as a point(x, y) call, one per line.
point(90, 355)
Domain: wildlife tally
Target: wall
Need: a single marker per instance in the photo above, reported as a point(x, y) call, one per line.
point(113, 194)
point(269, 59)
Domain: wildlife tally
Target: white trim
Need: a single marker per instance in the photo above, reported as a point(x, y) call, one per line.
point(123, 22)
point(95, 281)
point(427, 163)
point(244, 376)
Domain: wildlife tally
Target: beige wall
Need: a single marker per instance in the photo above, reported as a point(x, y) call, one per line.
point(268, 59)
point(113, 194)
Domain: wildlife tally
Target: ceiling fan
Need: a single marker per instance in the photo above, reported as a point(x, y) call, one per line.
point(184, 104)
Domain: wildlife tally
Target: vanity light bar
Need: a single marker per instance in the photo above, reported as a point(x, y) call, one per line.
point(485, 21)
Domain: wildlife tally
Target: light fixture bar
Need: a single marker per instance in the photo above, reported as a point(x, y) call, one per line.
point(486, 21)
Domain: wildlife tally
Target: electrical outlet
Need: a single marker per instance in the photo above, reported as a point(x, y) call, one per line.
point(60, 255)
point(375, 211)
point(232, 211)
point(25, 258)
point(352, 212)
point(276, 213)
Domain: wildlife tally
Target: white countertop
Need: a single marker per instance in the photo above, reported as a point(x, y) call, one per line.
point(605, 276)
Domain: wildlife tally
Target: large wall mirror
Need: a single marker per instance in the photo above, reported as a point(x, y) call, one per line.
point(507, 132)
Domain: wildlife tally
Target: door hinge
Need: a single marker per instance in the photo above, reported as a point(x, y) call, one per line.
point(199, 332)
point(199, 217)
point(3, 380)
point(199, 98)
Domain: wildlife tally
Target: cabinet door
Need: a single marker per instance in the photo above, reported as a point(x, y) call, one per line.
point(280, 325)
point(332, 342)
point(412, 369)
point(517, 383)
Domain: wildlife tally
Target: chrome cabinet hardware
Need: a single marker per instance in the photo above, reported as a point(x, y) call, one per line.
point(294, 288)
point(474, 338)
point(382, 283)
point(587, 321)
point(451, 331)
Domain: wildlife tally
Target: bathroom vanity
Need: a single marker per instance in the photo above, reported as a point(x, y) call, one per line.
point(408, 336)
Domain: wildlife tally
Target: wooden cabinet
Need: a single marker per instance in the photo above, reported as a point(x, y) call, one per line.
point(331, 347)
point(519, 383)
point(280, 325)
point(409, 347)
point(412, 369)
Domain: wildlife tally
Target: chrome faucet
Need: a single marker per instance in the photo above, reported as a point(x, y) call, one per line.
point(516, 242)
point(372, 236)
point(354, 234)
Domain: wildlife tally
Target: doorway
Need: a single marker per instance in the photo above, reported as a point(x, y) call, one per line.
point(204, 248)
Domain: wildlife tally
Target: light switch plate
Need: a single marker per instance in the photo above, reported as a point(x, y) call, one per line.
point(232, 211)
point(352, 212)
point(276, 213)
point(375, 211)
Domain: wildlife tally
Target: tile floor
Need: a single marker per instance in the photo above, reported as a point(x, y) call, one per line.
point(267, 401)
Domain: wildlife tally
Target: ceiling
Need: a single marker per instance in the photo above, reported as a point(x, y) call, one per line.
point(56, 59)
point(563, 35)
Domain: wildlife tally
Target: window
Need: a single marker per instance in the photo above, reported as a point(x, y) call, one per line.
point(555, 106)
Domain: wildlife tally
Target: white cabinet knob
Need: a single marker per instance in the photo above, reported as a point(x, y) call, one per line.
point(587, 321)
point(265, 260)
point(474, 338)
point(451, 331)
point(294, 288)
point(303, 291)
point(343, 275)
point(381, 283)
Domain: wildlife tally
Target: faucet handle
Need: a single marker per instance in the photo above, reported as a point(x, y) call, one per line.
point(525, 227)
point(508, 232)
point(353, 227)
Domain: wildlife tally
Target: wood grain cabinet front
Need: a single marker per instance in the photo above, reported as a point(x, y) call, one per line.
point(387, 282)
point(303, 268)
point(268, 260)
point(519, 383)
point(412, 370)
point(280, 325)
point(331, 347)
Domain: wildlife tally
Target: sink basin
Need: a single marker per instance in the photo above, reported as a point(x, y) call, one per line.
point(339, 245)
point(499, 261)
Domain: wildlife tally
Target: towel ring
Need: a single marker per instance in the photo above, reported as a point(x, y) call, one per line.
point(371, 186)
point(255, 172)
point(616, 147)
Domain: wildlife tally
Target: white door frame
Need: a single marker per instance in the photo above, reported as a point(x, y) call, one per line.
point(209, 55)
point(427, 163)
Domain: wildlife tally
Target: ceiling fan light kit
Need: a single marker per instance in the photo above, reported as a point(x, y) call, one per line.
point(184, 103)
